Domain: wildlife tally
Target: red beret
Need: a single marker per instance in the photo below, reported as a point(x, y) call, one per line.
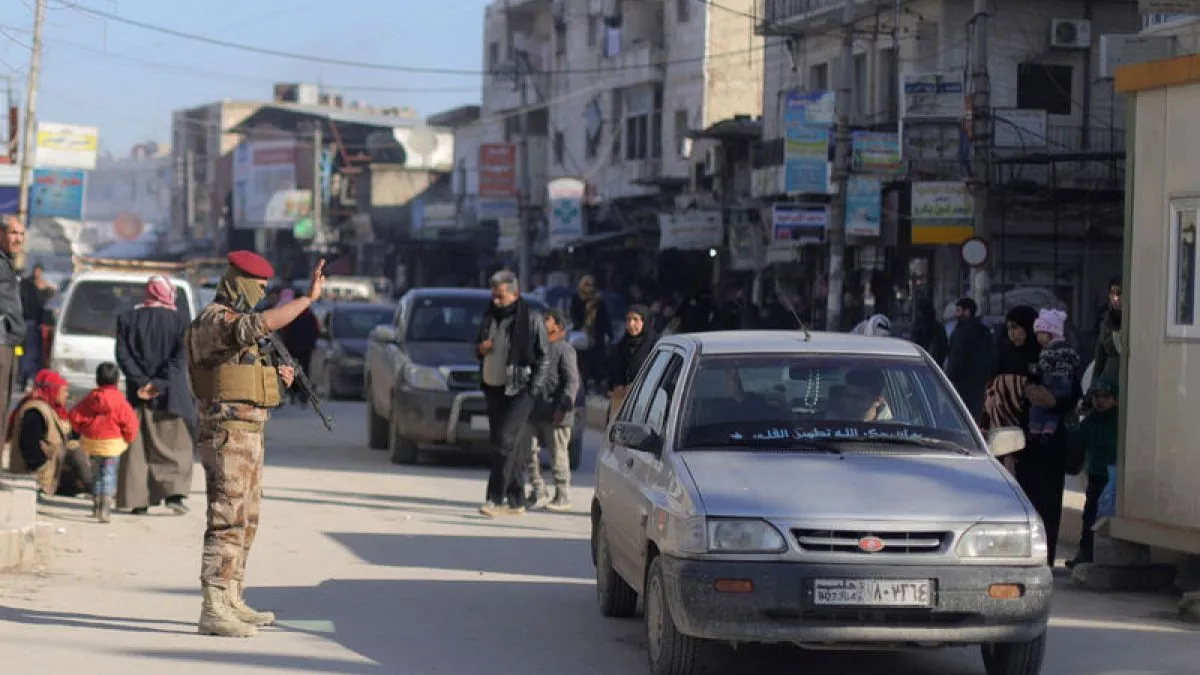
point(252, 263)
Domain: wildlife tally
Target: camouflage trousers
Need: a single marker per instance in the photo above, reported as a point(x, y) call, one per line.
point(232, 454)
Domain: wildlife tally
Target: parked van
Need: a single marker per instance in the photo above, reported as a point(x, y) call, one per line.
point(84, 335)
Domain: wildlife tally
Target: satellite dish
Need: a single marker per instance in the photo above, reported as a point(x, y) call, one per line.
point(421, 140)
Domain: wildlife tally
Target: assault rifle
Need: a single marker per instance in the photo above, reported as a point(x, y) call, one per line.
point(272, 347)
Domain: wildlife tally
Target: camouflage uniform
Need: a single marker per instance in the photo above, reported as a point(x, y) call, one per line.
point(222, 348)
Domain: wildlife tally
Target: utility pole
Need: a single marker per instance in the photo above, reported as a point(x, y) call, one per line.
point(841, 172)
point(31, 89)
point(318, 193)
point(189, 196)
point(520, 74)
point(981, 136)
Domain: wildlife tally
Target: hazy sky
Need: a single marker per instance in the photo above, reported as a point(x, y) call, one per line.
point(127, 80)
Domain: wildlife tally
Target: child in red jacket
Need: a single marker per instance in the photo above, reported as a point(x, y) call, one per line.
point(107, 425)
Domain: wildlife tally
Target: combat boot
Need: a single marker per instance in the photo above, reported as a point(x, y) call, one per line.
point(104, 510)
point(217, 616)
point(244, 612)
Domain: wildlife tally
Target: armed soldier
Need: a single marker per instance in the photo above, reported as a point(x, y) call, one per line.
point(236, 385)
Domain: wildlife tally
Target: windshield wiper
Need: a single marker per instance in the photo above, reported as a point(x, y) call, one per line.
point(915, 441)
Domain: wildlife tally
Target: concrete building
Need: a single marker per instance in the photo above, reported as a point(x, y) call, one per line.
point(138, 185)
point(1057, 133)
point(613, 90)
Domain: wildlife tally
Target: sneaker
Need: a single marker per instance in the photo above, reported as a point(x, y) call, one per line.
point(508, 510)
point(490, 509)
point(560, 503)
point(538, 499)
point(177, 505)
point(140, 511)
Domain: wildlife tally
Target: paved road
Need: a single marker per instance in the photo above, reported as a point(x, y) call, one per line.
point(382, 570)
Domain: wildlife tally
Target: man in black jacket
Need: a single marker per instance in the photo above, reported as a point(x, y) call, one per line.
point(514, 352)
point(12, 315)
point(971, 360)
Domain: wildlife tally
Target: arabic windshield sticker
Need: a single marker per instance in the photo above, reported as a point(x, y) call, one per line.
point(819, 433)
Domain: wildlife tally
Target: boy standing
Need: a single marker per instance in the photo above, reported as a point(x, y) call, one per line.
point(553, 415)
point(107, 425)
point(1097, 433)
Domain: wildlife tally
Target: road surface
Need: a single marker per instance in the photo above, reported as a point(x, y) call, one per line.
point(376, 569)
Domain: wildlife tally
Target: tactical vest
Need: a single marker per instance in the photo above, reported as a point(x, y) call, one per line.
point(246, 378)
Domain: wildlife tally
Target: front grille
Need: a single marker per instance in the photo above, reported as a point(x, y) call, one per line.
point(463, 379)
point(847, 541)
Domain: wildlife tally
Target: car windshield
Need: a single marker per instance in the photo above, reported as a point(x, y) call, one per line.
point(450, 319)
point(356, 324)
point(94, 306)
point(806, 400)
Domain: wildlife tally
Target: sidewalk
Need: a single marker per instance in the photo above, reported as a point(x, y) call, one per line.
point(18, 520)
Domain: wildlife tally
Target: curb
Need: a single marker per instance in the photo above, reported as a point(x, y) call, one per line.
point(18, 521)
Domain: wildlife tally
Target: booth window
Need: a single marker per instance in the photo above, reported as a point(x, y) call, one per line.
point(1182, 289)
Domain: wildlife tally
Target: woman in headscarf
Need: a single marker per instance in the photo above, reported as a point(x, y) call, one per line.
point(589, 314)
point(875, 326)
point(40, 439)
point(150, 352)
point(929, 333)
point(630, 352)
point(1017, 354)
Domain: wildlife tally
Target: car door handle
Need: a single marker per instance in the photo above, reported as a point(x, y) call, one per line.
point(629, 463)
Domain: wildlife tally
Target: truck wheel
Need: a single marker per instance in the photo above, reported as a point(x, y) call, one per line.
point(403, 450)
point(670, 652)
point(616, 598)
point(377, 428)
point(1015, 658)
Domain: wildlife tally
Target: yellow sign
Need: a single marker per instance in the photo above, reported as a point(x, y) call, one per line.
point(66, 146)
point(941, 234)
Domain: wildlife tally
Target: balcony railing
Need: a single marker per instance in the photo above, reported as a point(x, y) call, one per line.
point(781, 14)
point(639, 63)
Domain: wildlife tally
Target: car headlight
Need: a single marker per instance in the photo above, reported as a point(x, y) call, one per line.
point(744, 536)
point(995, 540)
point(423, 377)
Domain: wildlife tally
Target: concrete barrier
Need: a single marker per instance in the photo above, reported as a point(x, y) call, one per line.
point(18, 521)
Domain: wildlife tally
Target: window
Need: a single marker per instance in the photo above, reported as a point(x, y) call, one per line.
point(449, 319)
point(593, 30)
point(356, 324)
point(818, 77)
point(1182, 288)
point(664, 394)
point(681, 129)
point(777, 398)
point(94, 306)
point(637, 404)
point(1042, 86)
point(493, 56)
point(861, 87)
point(559, 147)
point(889, 84)
point(643, 123)
point(1160, 19)
point(683, 10)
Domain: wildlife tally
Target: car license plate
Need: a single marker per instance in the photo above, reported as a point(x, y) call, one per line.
point(873, 592)
point(479, 423)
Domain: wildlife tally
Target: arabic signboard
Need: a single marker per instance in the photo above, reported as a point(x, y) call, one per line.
point(261, 170)
point(933, 96)
point(690, 230)
point(807, 118)
point(864, 206)
point(497, 170)
point(1169, 6)
point(57, 193)
point(942, 212)
point(876, 152)
point(66, 146)
point(566, 211)
point(798, 224)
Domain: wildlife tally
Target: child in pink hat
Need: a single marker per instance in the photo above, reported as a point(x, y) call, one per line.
point(1056, 367)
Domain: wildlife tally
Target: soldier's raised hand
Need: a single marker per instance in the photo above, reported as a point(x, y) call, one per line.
point(317, 286)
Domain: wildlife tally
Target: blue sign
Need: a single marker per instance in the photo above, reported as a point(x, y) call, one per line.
point(864, 206)
point(9, 199)
point(57, 193)
point(807, 117)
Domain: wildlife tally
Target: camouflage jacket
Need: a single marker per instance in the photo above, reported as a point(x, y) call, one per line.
point(217, 335)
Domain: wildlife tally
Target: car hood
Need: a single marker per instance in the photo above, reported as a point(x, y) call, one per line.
point(795, 485)
point(441, 353)
point(353, 346)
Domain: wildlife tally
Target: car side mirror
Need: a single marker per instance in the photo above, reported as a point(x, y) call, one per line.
point(384, 335)
point(1005, 441)
point(635, 436)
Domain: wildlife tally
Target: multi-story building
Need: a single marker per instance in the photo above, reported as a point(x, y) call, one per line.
point(1057, 131)
point(612, 90)
point(137, 186)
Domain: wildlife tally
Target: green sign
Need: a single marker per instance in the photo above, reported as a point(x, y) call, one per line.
point(304, 229)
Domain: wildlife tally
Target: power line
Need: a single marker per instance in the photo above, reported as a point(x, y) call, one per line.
point(374, 66)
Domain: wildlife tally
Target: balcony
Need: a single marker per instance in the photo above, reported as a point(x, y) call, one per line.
point(783, 16)
point(637, 64)
point(501, 91)
point(644, 171)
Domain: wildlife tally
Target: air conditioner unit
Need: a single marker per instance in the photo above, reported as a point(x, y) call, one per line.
point(1070, 33)
point(712, 162)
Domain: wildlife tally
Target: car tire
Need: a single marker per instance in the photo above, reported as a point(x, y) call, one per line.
point(617, 599)
point(377, 428)
point(403, 450)
point(1015, 658)
point(670, 652)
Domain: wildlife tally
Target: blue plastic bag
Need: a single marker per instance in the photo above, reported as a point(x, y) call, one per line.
point(1107, 508)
